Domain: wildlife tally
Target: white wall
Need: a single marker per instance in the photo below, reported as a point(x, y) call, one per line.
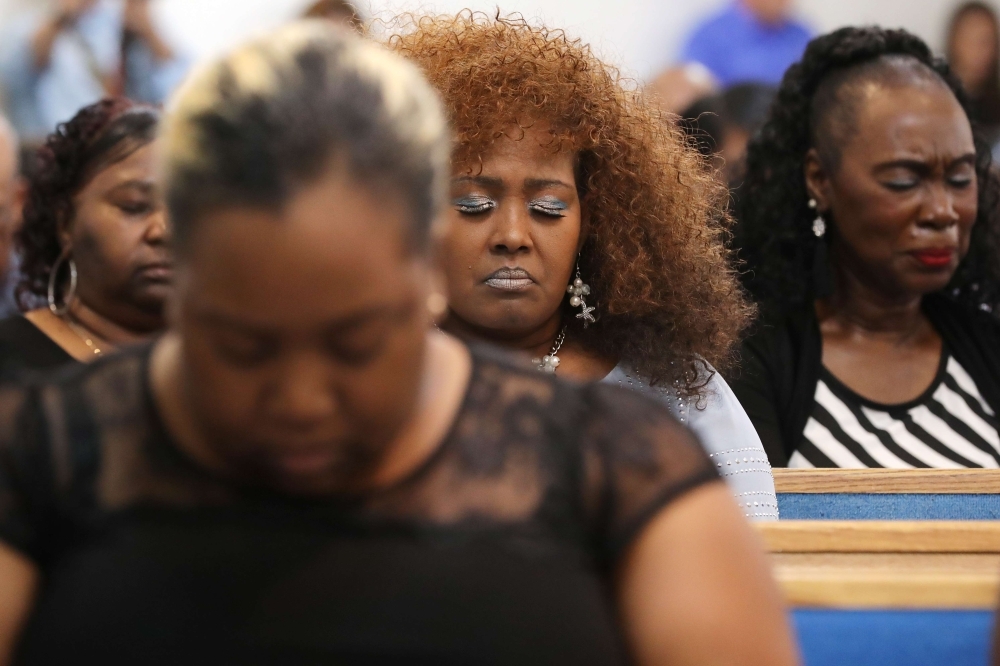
point(640, 35)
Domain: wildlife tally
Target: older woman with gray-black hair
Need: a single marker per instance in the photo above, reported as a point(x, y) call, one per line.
point(305, 471)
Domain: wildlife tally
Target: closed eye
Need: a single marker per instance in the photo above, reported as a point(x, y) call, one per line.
point(474, 205)
point(549, 206)
point(901, 185)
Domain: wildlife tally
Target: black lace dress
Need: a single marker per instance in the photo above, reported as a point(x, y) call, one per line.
point(498, 550)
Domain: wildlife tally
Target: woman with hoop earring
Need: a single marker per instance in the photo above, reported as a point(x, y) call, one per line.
point(95, 262)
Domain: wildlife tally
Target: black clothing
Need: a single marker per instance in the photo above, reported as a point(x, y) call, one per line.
point(782, 363)
point(498, 550)
point(25, 349)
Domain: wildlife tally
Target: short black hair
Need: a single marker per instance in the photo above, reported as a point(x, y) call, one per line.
point(774, 233)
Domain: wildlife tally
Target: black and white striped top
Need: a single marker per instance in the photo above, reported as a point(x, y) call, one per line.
point(949, 426)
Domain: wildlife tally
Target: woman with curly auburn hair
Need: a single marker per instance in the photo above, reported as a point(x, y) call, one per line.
point(871, 229)
point(584, 231)
point(93, 243)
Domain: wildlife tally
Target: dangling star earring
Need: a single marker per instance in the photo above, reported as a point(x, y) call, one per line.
point(577, 290)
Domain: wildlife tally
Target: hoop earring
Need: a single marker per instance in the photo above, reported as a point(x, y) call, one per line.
point(577, 290)
point(55, 308)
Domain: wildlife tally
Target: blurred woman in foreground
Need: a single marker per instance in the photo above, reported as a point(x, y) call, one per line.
point(304, 471)
point(585, 232)
point(93, 243)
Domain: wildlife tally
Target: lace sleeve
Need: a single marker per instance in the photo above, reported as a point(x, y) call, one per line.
point(637, 458)
point(25, 471)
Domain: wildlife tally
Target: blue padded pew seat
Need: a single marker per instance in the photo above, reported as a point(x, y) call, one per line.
point(889, 593)
point(888, 494)
point(902, 506)
point(894, 637)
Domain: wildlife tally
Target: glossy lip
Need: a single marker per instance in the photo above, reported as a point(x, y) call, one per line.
point(936, 257)
point(509, 279)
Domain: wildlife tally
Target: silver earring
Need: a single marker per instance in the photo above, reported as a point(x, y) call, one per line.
point(577, 290)
point(819, 224)
point(54, 307)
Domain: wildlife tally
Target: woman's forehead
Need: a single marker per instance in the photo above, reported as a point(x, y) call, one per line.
point(920, 118)
point(532, 148)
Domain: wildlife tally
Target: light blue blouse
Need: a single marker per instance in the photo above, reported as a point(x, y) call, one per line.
point(726, 433)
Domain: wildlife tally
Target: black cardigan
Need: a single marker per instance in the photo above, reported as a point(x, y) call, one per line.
point(782, 362)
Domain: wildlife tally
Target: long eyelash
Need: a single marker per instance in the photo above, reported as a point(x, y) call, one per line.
point(551, 208)
point(474, 205)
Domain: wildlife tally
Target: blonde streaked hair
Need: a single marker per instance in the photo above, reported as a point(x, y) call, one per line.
point(253, 127)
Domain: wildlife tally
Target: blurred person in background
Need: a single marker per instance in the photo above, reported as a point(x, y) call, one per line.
point(721, 125)
point(53, 63)
point(677, 88)
point(870, 227)
point(304, 471)
point(585, 233)
point(340, 12)
point(92, 245)
point(974, 55)
point(12, 192)
point(749, 41)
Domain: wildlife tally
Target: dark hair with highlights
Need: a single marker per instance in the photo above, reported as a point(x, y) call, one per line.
point(99, 136)
point(775, 230)
point(667, 298)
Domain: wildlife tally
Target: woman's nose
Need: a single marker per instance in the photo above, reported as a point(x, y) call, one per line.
point(302, 395)
point(939, 209)
point(512, 234)
point(158, 228)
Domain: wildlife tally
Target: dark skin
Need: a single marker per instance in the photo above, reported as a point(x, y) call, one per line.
point(268, 380)
point(299, 356)
point(519, 208)
point(118, 238)
point(903, 201)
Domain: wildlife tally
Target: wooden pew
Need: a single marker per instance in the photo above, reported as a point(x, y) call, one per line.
point(883, 593)
point(882, 494)
point(891, 564)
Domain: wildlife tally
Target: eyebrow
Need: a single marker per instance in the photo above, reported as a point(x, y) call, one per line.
point(918, 165)
point(342, 324)
point(145, 185)
point(486, 181)
point(531, 183)
point(539, 183)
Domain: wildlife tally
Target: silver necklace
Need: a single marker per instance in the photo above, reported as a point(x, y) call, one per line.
point(550, 361)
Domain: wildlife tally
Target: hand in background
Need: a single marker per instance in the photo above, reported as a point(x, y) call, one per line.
point(137, 17)
point(138, 20)
point(66, 14)
point(68, 11)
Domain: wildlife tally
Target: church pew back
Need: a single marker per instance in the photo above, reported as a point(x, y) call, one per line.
point(878, 494)
point(889, 593)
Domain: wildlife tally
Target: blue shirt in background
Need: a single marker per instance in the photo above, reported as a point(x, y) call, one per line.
point(38, 100)
point(737, 47)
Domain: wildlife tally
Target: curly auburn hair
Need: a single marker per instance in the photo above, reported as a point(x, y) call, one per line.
point(99, 135)
point(655, 255)
point(775, 223)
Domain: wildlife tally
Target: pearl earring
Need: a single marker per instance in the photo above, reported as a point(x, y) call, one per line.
point(819, 224)
point(577, 290)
